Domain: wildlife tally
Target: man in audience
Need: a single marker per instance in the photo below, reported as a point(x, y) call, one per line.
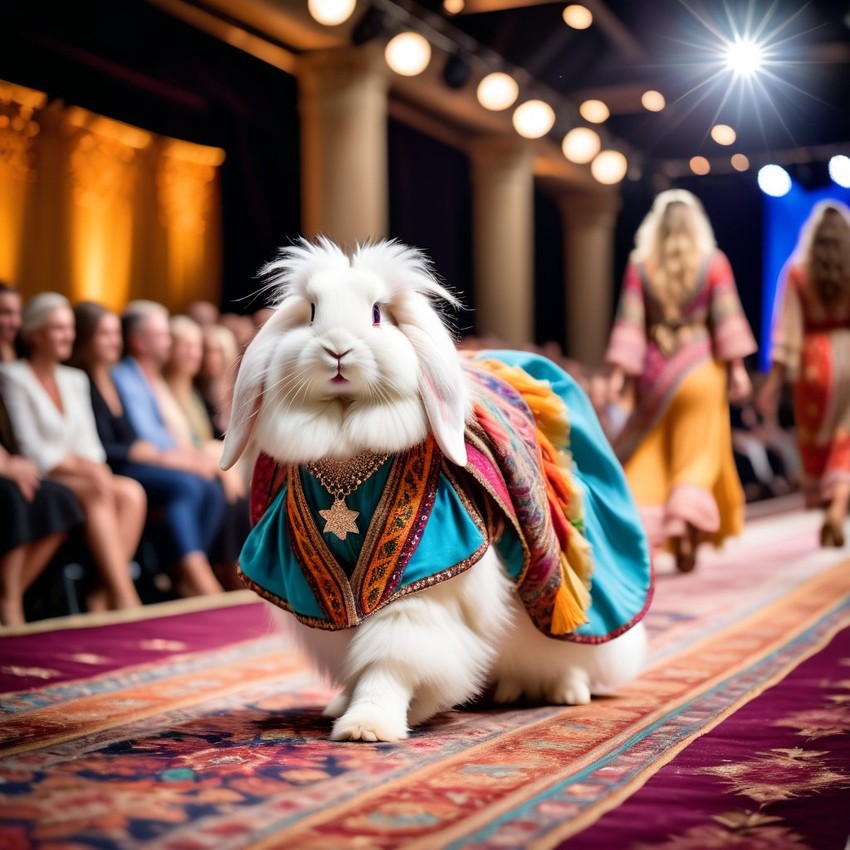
point(146, 397)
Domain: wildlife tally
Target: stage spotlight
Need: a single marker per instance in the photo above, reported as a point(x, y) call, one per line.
point(774, 180)
point(456, 71)
point(744, 57)
point(839, 170)
point(331, 12)
point(370, 26)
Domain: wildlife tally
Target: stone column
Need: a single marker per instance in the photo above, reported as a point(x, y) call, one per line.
point(342, 102)
point(503, 236)
point(589, 219)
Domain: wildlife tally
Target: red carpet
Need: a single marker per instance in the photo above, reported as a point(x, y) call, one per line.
point(186, 728)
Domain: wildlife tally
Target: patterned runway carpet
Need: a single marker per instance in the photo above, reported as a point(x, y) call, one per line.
point(189, 726)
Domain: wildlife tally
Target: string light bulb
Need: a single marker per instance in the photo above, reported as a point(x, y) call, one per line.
point(576, 16)
point(581, 144)
point(653, 101)
point(408, 53)
point(699, 165)
point(497, 91)
point(533, 119)
point(609, 167)
point(331, 12)
point(740, 161)
point(595, 111)
point(723, 134)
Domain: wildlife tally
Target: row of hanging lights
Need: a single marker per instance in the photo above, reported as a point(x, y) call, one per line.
point(409, 53)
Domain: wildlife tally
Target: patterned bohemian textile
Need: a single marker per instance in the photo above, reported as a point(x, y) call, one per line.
point(541, 484)
point(191, 725)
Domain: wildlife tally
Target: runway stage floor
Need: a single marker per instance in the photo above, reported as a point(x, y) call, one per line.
point(187, 726)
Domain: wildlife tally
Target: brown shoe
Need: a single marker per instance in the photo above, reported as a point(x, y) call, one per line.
point(686, 549)
point(831, 535)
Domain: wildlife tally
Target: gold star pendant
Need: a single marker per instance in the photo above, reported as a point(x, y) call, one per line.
point(339, 520)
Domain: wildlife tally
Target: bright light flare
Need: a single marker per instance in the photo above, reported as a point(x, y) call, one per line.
point(744, 57)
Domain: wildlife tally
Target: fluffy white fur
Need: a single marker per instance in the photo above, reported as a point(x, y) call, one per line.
point(323, 378)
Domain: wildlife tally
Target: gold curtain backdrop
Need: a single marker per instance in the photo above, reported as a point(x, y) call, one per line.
point(97, 209)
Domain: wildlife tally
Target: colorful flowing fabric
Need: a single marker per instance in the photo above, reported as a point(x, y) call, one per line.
point(538, 511)
point(659, 356)
point(813, 342)
point(676, 445)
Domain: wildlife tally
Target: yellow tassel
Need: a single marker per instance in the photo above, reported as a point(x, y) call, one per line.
point(571, 602)
point(549, 412)
point(580, 559)
point(553, 431)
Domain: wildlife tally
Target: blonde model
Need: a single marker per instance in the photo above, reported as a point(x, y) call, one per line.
point(679, 337)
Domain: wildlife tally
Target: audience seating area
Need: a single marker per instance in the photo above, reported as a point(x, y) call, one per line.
point(766, 457)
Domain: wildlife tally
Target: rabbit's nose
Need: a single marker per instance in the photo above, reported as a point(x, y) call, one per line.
point(337, 354)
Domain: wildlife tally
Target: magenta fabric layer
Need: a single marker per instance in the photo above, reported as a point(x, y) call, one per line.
point(34, 660)
point(773, 775)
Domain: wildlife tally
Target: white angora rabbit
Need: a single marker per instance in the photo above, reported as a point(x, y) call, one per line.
point(437, 523)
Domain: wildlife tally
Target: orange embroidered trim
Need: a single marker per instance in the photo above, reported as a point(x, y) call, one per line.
point(409, 496)
point(394, 531)
point(325, 577)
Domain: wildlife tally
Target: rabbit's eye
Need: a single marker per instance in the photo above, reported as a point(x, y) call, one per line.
point(312, 313)
point(376, 314)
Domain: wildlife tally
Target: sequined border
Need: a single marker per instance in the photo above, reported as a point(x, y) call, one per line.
point(394, 534)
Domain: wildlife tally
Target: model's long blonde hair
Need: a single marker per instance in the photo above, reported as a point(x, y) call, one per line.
point(824, 251)
point(671, 243)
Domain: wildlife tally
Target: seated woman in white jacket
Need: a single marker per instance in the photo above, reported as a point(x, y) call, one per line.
point(50, 409)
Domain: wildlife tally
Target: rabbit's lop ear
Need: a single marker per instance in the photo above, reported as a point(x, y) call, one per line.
point(442, 387)
point(441, 382)
point(251, 381)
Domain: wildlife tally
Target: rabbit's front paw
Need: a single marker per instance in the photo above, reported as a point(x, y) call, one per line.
point(337, 706)
point(508, 690)
point(571, 688)
point(368, 724)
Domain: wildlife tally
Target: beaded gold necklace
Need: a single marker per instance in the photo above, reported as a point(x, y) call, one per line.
point(341, 478)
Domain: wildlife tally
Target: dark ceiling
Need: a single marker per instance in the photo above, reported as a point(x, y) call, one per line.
point(134, 62)
point(802, 99)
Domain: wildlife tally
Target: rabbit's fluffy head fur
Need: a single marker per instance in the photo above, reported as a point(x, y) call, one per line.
point(354, 357)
